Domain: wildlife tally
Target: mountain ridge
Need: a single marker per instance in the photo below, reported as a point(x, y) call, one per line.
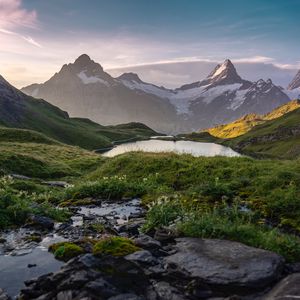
point(18, 110)
point(83, 89)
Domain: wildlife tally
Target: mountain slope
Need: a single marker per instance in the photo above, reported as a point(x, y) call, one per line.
point(293, 89)
point(83, 89)
point(21, 111)
point(278, 137)
point(222, 96)
point(244, 124)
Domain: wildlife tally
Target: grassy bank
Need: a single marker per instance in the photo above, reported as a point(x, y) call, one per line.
point(243, 199)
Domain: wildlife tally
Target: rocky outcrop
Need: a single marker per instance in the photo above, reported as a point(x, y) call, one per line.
point(90, 277)
point(191, 269)
point(225, 266)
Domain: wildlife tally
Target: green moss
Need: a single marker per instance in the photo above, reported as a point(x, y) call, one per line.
point(34, 238)
point(98, 227)
point(116, 246)
point(65, 250)
point(80, 202)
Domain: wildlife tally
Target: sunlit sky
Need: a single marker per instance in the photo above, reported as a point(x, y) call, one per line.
point(38, 36)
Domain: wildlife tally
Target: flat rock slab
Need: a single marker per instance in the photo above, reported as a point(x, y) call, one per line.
point(287, 289)
point(221, 263)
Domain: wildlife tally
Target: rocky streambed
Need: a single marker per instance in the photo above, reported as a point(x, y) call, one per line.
point(164, 267)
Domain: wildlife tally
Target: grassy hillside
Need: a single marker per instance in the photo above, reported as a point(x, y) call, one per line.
point(33, 154)
point(236, 128)
point(246, 123)
point(45, 118)
point(278, 138)
point(18, 110)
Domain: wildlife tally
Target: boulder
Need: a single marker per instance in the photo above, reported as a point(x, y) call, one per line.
point(226, 267)
point(147, 242)
point(143, 257)
point(40, 222)
point(287, 289)
point(4, 296)
point(90, 277)
point(167, 292)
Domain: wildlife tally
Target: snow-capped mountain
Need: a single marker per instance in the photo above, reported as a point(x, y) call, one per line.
point(84, 89)
point(293, 89)
point(220, 97)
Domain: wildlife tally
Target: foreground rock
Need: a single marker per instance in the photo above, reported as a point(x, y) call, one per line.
point(287, 289)
point(40, 222)
point(90, 277)
point(226, 267)
point(4, 296)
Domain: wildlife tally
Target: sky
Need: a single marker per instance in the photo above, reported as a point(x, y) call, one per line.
point(38, 36)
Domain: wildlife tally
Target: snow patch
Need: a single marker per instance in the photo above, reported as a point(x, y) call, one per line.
point(92, 79)
point(148, 88)
point(238, 100)
point(219, 71)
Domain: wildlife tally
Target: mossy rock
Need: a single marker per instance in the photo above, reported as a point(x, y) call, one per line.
point(65, 250)
point(34, 238)
point(80, 202)
point(116, 246)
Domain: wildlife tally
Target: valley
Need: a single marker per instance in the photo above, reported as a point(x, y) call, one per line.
point(59, 196)
point(149, 150)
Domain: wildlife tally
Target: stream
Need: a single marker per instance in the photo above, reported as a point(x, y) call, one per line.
point(21, 260)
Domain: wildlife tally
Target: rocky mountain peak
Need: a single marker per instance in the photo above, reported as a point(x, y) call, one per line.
point(130, 77)
point(295, 82)
point(84, 62)
point(225, 73)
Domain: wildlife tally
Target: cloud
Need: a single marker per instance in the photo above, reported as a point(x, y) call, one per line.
point(28, 39)
point(255, 59)
point(12, 15)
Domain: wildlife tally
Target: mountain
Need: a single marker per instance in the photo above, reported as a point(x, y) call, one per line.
point(293, 89)
point(222, 96)
point(247, 122)
point(277, 137)
point(84, 89)
point(18, 110)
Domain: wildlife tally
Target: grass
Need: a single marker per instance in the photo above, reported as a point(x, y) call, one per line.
point(222, 222)
point(16, 204)
point(247, 122)
point(19, 111)
point(46, 161)
point(276, 138)
point(269, 187)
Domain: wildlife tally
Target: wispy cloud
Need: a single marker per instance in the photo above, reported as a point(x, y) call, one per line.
point(28, 39)
point(12, 15)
